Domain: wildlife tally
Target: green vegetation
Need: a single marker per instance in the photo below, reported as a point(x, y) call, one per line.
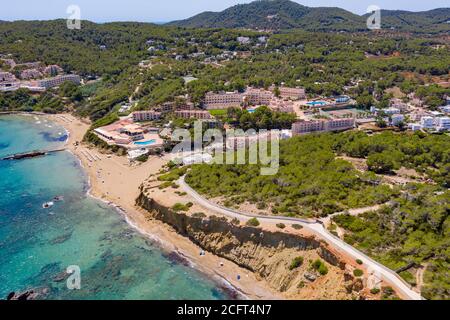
point(199, 215)
point(296, 262)
point(142, 158)
point(310, 181)
point(292, 15)
point(281, 225)
point(358, 272)
point(235, 221)
point(359, 261)
point(261, 118)
point(375, 291)
point(253, 222)
point(414, 230)
point(297, 226)
point(173, 174)
point(181, 207)
point(320, 267)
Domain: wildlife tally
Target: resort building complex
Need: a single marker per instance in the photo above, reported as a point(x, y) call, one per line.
point(58, 80)
point(322, 125)
point(252, 96)
point(129, 135)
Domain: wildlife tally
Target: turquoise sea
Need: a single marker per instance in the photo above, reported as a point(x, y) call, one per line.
point(37, 244)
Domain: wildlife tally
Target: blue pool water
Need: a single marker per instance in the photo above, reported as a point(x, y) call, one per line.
point(37, 245)
point(316, 103)
point(145, 143)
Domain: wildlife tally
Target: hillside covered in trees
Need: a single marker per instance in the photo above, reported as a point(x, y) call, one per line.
point(360, 65)
point(313, 182)
point(285, 14)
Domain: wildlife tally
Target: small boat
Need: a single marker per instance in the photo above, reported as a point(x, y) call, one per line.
point(58, 198)
point(47, 205)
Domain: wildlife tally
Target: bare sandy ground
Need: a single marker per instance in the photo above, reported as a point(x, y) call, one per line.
point(115, 181)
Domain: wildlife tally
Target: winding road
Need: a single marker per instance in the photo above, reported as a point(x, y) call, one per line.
point(380, 271)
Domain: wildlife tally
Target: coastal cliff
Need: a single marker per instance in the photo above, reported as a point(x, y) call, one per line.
point(268, 254)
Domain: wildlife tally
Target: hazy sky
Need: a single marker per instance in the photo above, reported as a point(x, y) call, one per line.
point(168, 10)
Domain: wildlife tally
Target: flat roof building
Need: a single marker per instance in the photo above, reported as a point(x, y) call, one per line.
point(196, 114)
point(58, 80)
point(147, 115)
point(322, 125)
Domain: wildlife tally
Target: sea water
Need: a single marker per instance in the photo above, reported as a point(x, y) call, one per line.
point(37, 245)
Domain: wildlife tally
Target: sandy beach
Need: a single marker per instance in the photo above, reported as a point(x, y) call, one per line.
point(115, 181)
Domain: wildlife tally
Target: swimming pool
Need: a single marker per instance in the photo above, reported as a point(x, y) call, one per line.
point(145, 143)
point(316, 103)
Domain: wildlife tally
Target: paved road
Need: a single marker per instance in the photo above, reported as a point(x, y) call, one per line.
point(379, 270)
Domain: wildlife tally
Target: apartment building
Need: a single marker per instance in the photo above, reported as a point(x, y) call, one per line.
point(8, 82)
point(322, 125)
point(292, 93)
point(443, 124)
point(58, 80)
point(7, 77)
point(223, 100)
point(53, 70)
point(30, 74)
point(196, 114)
point(427, 122)
point(148, 115)
point(257, 96)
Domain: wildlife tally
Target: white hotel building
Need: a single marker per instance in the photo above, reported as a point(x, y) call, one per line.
point(58, 80)
point(322, 125)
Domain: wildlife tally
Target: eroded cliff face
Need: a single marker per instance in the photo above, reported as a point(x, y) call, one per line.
point(266, 253)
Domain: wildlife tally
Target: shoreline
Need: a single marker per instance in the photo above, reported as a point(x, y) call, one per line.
point(102, 184)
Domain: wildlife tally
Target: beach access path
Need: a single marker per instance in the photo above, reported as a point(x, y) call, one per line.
point(382, 272)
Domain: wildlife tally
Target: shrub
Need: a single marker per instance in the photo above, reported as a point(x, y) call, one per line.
point(358, 272)
point(359, 261)
point(323, 269)
point(198, 215)
point(374, 291)
point(296, 262)
point(165, 185)
point(297, 226)
point(387, 292)
point(281, 225)
point(253, 222)
point(236, 221)
point(180, 207)
point(261, 205)
point(142, 158)
point(320, 267)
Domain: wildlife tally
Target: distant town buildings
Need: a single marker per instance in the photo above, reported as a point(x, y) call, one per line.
point(53, 70)
point(30, 74)
point(243, 40)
